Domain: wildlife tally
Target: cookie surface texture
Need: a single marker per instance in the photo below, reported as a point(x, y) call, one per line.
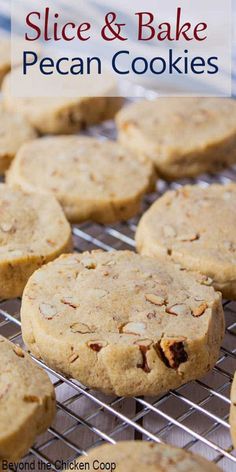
point(61, 115)
point(33, 230)
point(184, 137)
point(130, 456)
point(92, 179)
point(115, 321)
point(27, 401)
point(195, 227)
point(12, 125)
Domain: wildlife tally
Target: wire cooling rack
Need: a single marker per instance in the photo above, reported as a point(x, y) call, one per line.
point(193, 417)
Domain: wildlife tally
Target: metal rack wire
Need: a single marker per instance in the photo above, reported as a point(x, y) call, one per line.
point(194, 417)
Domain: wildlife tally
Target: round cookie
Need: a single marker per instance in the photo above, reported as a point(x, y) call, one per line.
point(58, 115)
point(11, 125)
point(5, 57)
point(184, 137)
point(195, 227)
point(232, 417)
point(33, 230)
point(92, 179)
point(144, 456)
point(122, 323)
point(27, 401)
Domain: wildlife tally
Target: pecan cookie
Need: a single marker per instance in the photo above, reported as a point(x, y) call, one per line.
point(27, 401)
point(184, 137)
point(122, 323)
point(5, 57)
point(92, 179)
point(33, 230)
point(195, 227)
point(232, 418)
point(12, 125)
point(144, 456)
point(57, 115)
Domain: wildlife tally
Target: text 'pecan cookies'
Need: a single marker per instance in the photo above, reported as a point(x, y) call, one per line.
point(232, 418)
point(184, 137)
point(14, 131)
point(27, 401)
point(122, 323)
point(58, 115)
point(33, 230)
point(92, 179)
point(143, 456)
point(195, 227)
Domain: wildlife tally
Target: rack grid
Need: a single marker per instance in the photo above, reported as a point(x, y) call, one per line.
point(194, 417)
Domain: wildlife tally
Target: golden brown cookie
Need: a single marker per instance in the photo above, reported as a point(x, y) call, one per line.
point(27, 401)
point(92, 179)
point(122, 323)
point(143, 456)
point(33, 230)
point(184, 137)
point(58, 115)
point(14, 131)
point(195, 227)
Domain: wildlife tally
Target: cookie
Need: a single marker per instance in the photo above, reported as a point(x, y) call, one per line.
point(144, 456)
point(122, 323)
point(232, 418)
point(33, 230)
point(58, 115)
point(27, 401)
point(195, 227)
point(11, 125)
point(96, 180)
point(184, 137)
point(5, 57)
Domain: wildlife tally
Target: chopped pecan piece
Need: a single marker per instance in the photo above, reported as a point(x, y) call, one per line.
point(18, 351)
point(51, 242)
point(31, 399)
point(7, 227)
point(80, 328)
point(73, 358)
point(70, 302)
point(155, 299)
point(97, 345)
point(89, 263)
point(178, 309)
point(47, 310)
point(198, 311)
point(144, 365)
point(199, 298)
point(151, 315)
point(143, 342)
point(172, 352)
point(188, 237)
point(204, 280)
point(134, 328)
